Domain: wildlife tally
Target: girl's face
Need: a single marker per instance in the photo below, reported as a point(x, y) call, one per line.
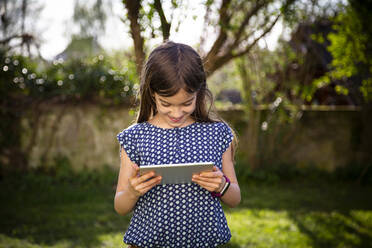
point(175, 111)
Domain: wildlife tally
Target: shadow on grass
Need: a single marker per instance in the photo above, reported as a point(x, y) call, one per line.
point(47, 212)
point(339, 230)
point(325, 214)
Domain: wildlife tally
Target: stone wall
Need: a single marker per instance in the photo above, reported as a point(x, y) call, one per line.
point(326, 139)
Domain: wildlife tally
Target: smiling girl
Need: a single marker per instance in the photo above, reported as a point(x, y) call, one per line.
point(175, 125)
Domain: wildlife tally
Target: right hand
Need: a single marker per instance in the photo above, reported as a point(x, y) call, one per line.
point(139, 185)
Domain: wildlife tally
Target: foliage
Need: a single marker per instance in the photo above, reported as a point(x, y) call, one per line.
point(13, 98)
point(89, 79)
point(28, 87)
point(91, 17)
point(76, 79)
point(351, 48)
point(304, 11)
point(263, 88)
point(238, 26)
point(275, 173)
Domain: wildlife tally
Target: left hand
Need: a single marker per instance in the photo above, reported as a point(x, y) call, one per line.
point(213, 181)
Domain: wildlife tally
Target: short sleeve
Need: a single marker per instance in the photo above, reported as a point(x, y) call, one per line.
point(227, 136)
point(127, 140)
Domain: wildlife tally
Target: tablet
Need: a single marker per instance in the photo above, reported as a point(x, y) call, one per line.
point(177, 173)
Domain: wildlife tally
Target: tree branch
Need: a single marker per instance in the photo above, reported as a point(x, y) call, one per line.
point(26, 38)
point(225, 58)
point(165, 25)
point(206, 21)
point(249, 47)
point(224, 19)
point(133, 7)
point(248, 16)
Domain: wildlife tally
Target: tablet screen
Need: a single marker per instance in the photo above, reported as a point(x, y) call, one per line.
point(177, 173)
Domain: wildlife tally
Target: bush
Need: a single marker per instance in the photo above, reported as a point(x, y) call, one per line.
point(27, 84)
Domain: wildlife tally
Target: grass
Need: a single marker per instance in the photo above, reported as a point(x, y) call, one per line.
point(303, 215)
point(77, 211)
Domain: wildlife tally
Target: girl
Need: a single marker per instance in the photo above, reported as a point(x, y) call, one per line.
point(174, 126)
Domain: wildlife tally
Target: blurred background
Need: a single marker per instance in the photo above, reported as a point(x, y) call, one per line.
point(293, 78)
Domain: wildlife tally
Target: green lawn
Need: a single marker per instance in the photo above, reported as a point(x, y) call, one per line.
point(40, 211)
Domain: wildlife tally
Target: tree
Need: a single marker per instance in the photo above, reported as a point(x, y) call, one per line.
point(14, 34)
point(351, 48)
point(91, 18)
point(239, 25)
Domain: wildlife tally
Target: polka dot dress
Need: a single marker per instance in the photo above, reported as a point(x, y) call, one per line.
point(177, 215)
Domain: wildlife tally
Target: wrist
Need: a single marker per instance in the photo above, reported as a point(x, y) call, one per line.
point(224, 181)
point(133, 194)
point(223, 190)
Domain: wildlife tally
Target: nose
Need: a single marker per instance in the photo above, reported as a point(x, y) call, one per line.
point(177, 112)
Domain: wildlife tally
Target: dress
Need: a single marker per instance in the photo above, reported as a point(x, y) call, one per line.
point(177, 215)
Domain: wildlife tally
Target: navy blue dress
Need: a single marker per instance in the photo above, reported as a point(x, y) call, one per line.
point(177, 215)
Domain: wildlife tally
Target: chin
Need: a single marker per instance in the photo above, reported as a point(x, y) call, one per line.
point(176, 124)
point(172, 124)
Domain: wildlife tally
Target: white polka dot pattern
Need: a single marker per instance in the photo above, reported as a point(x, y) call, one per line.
point(177, 215)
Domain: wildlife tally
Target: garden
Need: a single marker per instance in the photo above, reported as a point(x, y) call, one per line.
point(292, 78)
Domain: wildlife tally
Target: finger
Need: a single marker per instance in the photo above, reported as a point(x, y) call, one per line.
point(215, 173)
point(217, 180)
point(152, 182)
point(146, 189)
point(211, 174)
point(208, 186)
point(146, 176)
point(136, 180)
point(140, 189)
point(202, 185)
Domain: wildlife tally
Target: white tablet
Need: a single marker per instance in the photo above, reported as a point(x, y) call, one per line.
point(177, 173)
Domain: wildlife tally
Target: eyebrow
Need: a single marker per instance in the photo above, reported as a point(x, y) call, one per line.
point(189, 100)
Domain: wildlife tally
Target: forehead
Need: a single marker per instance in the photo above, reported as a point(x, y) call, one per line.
point(180, 97)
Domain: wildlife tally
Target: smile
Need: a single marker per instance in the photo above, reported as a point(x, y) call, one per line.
point(175, 120)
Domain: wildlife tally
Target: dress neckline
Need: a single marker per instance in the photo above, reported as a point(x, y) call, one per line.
point(172, 128)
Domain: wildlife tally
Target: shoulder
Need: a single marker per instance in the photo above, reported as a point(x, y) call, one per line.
point(223, 130)
point(215, 129)
point(217, 126)
point(132, 130)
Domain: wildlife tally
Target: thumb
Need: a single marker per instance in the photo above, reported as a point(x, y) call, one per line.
point(135, 169)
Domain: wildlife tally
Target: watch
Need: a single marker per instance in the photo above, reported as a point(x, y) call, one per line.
point(224, 189)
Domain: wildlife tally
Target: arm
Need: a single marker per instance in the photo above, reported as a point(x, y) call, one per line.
point(232, 196)
point(214, 181)
point(130, 186)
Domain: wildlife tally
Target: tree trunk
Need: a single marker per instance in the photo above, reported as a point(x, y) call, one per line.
point(133, 7)
point(253, 127)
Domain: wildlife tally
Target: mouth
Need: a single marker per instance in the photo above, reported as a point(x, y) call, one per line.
point(175, 120)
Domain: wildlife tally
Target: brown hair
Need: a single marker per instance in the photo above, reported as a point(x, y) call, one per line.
point(169, 68)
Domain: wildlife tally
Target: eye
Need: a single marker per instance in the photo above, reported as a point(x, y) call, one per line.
point(165, 105)
point(187, 104)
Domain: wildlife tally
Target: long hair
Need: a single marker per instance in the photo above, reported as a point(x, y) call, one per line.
point(169, 68)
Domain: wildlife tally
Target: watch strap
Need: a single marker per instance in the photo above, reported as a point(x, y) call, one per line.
point(224, 189)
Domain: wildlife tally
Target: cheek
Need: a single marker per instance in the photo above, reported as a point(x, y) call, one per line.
point(190, 109)
point(163, 110)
